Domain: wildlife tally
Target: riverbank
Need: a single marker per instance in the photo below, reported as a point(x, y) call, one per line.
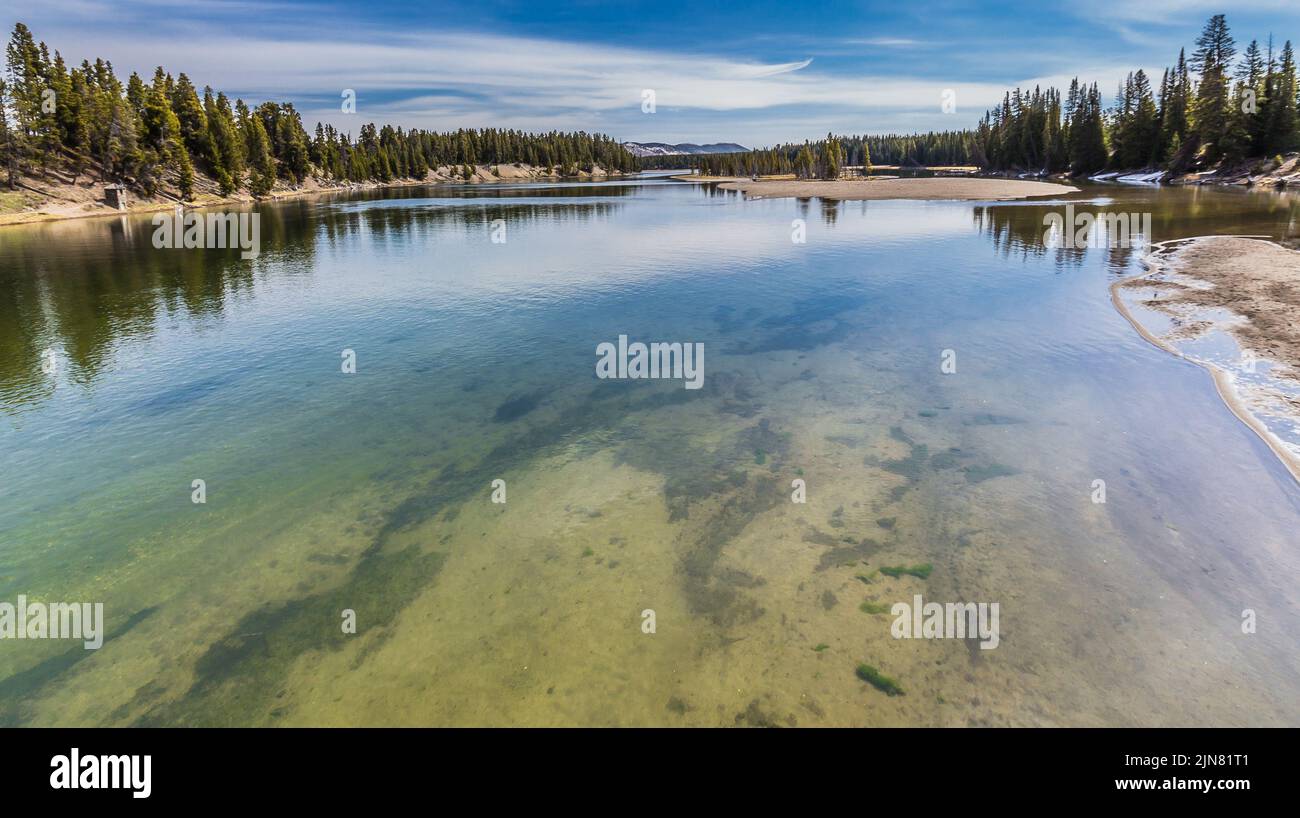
point(930, 188)
point(1245, 288)
point(55, 198)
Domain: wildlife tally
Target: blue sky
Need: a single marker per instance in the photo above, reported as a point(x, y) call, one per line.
point(750, 72)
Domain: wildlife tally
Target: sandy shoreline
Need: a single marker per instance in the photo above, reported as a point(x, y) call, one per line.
point(1256, 283)
point(84, 200)
point(934, 188)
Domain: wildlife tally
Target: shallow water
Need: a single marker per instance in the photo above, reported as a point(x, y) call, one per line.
point(372, 491)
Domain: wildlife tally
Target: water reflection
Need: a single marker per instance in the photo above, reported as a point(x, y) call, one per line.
point(81, 286)
point(78, 287)
point(1024, 229)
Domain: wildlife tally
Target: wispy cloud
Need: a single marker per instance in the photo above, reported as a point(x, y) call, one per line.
point(758, 71)
point(1180, 12)
point(885, 42)
point(525, 74)
point(757, 88)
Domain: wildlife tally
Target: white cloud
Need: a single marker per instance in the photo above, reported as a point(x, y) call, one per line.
point(441, 79)
point(1180, 12)
point(884, 41)
point(520, 71)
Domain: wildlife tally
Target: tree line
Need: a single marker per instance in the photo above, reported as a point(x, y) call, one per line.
point(812, 160)
point(827, 158)
point(1207, 110)
point(84, 120)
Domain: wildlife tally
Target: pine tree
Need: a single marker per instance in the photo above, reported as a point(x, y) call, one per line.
point(77, 125)
point(25, 86)
point(122, 149)
point(1175, 121)
point(834, 158)
point(261, 163)
point(162, 134)
point(1281, 132)
point(192, 120)
point(1142, 133)
point(1213, 113)
point(292, 142)
point(60, 124)
point(8, 152)
point(226, 155)
point(805, 165)
point(1089, 154)
point(1252, 92)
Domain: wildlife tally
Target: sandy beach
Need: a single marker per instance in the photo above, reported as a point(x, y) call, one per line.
point(950, 188)
point(1245, 287)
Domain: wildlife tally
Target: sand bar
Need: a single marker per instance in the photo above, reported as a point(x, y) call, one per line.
point(937, 187)
point(1247, 287)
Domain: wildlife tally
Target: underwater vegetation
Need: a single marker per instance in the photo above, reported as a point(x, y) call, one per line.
point(909, 467)
point(878, 680)
point(921, 571)
point(29, 682)
point(238, 679)
point(980, 473)
point(517, 407)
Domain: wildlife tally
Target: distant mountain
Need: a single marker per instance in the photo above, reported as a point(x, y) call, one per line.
point(681, 149)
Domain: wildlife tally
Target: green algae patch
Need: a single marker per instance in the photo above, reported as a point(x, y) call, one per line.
point(921, 571)
point(879, 681)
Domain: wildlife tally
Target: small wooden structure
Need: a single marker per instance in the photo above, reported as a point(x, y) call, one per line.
point(115, 195)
